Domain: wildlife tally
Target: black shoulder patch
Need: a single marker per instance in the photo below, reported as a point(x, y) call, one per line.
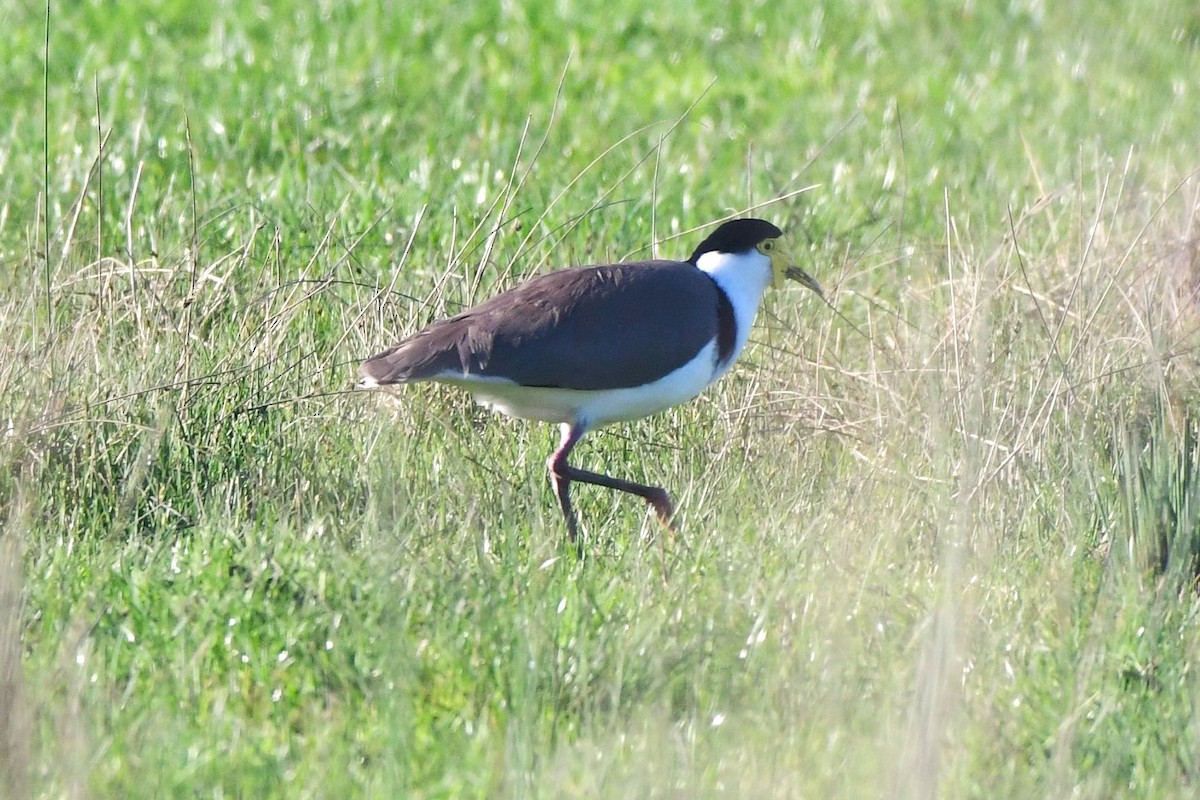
point(726, 327)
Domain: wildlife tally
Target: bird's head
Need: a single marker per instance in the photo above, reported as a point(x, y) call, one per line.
point(747, 235)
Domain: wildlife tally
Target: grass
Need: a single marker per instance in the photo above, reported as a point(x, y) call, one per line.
point(940, 544)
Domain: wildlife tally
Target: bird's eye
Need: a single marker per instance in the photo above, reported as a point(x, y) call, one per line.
point(766, 246)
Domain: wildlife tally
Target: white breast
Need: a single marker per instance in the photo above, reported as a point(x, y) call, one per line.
point(593, 407)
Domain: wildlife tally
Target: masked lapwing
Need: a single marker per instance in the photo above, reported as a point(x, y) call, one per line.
point(589, 346)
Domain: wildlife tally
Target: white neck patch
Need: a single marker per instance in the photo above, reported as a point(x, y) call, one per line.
point(744, 277)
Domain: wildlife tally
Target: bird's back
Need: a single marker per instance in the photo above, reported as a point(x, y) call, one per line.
point(610, 319)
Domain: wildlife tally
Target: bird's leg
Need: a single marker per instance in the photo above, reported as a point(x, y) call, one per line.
point(562, 473)
point(561, 480)
point(654, 495)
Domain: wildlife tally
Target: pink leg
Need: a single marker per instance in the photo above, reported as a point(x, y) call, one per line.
point(562, 473)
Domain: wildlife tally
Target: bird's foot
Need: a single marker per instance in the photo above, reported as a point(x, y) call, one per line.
point(661, 502)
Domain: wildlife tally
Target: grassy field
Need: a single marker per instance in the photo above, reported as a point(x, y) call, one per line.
point(942, 543)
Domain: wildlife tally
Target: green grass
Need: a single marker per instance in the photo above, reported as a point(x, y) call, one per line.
point(944, 544)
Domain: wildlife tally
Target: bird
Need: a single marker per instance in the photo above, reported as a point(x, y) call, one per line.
point(585, 347)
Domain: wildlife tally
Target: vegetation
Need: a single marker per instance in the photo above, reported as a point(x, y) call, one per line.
point(939, 541)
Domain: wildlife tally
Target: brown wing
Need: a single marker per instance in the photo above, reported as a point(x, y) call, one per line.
point(601, 327)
